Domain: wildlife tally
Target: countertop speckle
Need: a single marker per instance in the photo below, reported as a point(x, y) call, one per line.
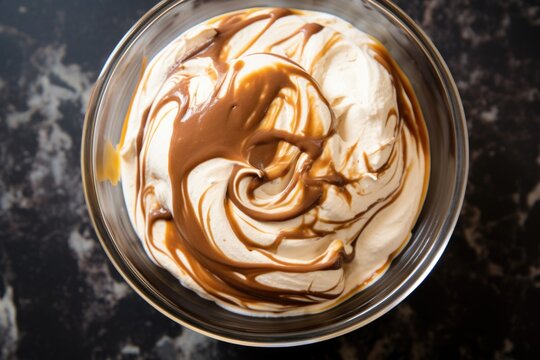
point(60, 297)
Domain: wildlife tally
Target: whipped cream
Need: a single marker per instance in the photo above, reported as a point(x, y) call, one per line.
point(274, 160)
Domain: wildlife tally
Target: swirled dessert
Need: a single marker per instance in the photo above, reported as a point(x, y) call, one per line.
point(274, 160)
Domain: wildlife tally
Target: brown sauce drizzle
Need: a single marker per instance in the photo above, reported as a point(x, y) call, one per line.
point(228, 126)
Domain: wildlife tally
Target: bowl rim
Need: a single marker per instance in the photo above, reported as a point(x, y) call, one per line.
point(409, 284)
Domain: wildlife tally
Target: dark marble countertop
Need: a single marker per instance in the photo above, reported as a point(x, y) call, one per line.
point(60, 298)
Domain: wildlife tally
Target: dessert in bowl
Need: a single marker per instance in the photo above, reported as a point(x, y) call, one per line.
point(275, 161)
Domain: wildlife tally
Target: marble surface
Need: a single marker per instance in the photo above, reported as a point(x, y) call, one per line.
point(61, 298)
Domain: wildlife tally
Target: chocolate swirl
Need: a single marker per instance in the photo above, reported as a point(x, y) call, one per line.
point(270, 181)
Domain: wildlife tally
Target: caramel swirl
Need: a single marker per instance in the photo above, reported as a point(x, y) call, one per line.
point(275, 185)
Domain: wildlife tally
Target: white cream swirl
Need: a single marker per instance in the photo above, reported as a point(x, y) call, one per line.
point(309, 154)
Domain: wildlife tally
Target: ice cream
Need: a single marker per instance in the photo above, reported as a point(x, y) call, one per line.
point(274, 160)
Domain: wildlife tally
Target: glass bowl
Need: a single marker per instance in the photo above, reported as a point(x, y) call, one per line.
point(445, 119)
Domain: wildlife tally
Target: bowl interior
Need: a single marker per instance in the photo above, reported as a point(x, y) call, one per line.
point(442, 111)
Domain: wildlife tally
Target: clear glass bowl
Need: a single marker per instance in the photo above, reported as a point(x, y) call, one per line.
point(445, 119)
